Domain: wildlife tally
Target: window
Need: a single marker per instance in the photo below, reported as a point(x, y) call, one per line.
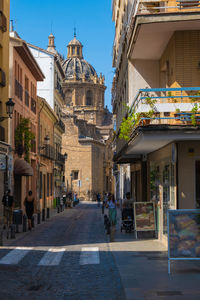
point(78, 50)
point(73, 50)
point(75, 175)
point(68, 97)
point(89, 98)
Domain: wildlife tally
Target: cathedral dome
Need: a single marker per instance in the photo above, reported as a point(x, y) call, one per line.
point(79, 68)
point(75, 67)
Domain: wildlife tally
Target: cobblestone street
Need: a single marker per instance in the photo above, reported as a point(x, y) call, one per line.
point(67, 257)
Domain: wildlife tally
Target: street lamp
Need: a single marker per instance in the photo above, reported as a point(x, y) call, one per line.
point(65, 156)
point(9, 109)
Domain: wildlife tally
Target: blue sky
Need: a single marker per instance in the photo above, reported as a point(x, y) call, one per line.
point(33, 21)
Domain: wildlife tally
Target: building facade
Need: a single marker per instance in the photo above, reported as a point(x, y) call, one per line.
point(23, 78)
point(156, 58)
point(51, 90)
point(5, 151)
point(88, 126)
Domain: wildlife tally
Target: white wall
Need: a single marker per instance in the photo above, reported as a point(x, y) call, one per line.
point(142, 74)
point(45, 89)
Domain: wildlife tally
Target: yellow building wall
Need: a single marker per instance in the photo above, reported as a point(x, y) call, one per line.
point(179, 64)
point(186, 164)
point(4, 63)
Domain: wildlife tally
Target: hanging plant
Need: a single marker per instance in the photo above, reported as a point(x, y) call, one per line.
point(23, 138)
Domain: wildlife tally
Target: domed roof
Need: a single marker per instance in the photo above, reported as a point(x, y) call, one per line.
point(75, 42)
point(79, 67)
point(75, 67)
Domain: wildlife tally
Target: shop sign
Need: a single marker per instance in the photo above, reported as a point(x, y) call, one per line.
point(183, 235)
point(144, 213)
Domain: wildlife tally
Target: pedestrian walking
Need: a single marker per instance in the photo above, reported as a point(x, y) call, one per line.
point(98, 199)
point(8, 205)
point(29, 208)
point(112, 214)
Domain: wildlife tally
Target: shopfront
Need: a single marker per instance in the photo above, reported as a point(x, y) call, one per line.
point(162, 177)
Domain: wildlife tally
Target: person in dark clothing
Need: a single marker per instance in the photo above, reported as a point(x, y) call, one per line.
point(8, 204)
point(29, 207)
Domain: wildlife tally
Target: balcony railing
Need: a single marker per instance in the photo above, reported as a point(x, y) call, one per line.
point(158, 6)
point(18, 90)
point(33, 105)
point(48, 152)
point(27, 98)
point(59, 158)
point(3, 22)
point(61, 125)
point(173, 106)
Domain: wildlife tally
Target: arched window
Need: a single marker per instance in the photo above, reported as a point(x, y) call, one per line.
point(68, 97)
point(89, 98)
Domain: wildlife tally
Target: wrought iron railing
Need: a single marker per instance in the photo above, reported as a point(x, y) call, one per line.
point(26, 98)
point(18, 90)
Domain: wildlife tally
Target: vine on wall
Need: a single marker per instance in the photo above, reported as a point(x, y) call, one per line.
point(23, 138)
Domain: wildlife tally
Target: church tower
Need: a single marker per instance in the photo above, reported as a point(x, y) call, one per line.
point(83, 88)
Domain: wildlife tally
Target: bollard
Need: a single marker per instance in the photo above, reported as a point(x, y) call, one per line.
point(24, 223)
point(38, 217)
point(48, 213)
point(17, 228)
point(43, 214)
point(33, 221)
point(12, 231)
point(102, 209)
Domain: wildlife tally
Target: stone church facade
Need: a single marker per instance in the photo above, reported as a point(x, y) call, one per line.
point(87, 126)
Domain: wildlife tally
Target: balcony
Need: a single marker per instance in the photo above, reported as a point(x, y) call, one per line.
point(33, 105)
point(27, 98)
point(3, 22)
point(169, 106)
point(18, 90)
point(153, 23)
point(157, 118)
point(158, 6)
point(48, 152)
point(59, 158)
point(61, 125)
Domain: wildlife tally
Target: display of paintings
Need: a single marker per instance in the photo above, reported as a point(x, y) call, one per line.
point(144, 216)
point(184, 233)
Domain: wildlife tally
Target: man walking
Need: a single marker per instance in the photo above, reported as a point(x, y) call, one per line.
point(8, 205)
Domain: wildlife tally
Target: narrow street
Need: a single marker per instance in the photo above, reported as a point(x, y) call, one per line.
point(67, 257)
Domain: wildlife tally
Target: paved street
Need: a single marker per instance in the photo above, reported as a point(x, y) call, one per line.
point(67, 257)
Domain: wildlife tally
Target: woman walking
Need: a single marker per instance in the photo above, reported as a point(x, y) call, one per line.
point(112, 214)
point(29, 208)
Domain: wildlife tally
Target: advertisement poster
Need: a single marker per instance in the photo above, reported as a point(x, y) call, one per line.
point(144, 216)
point(184, 233)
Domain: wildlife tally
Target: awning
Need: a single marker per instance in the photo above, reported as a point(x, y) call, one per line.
point(22, 168)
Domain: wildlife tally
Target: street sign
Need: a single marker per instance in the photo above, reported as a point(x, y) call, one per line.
point(79, 183)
